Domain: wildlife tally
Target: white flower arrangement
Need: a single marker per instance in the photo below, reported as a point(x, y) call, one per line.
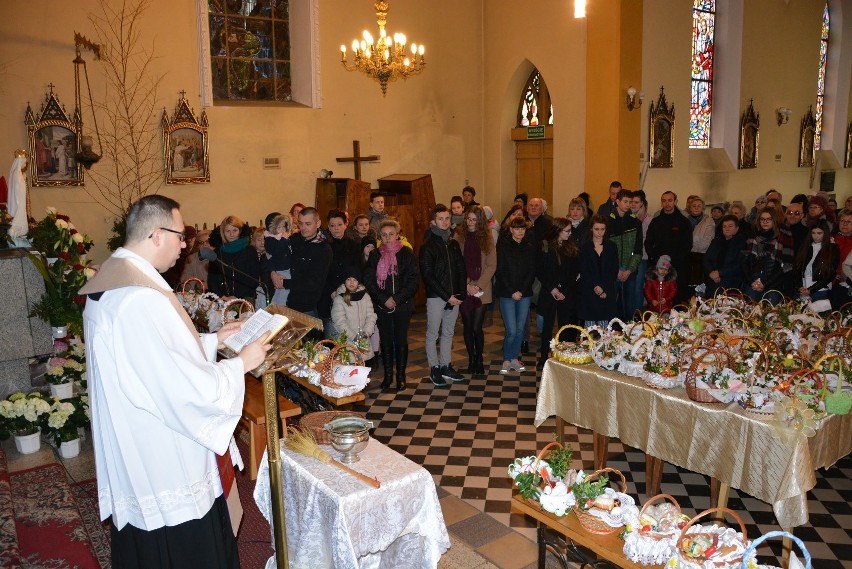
point(22, 414)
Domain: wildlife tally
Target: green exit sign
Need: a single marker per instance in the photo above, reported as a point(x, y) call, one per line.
point(535, 132)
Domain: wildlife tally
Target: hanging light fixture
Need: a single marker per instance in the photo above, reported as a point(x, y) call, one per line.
point(85, 155)
point(385, 60)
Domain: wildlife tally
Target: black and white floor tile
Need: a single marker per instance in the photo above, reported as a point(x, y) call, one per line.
point(466, 434)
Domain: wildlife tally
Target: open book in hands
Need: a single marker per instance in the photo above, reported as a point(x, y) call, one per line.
point(262, 323)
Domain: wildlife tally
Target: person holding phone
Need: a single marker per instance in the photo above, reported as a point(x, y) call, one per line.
point(445, 277)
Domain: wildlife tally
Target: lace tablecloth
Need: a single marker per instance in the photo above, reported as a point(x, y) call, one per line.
point(718, 440)
point(335, 520)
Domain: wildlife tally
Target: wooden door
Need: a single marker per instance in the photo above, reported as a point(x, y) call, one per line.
point(534, 161)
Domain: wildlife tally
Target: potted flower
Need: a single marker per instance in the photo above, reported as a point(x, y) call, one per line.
point(21, 415)
point(62, 372)
point(5, 225)
point(62, 423)
point(64, 268)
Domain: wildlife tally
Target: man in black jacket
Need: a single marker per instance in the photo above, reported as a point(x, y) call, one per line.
point(670, 233)
point(443, 271)
point(309, 265)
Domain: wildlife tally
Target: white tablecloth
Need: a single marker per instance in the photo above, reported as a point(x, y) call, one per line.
point(335, 520)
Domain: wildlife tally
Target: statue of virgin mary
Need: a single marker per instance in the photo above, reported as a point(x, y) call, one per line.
point(18, 200)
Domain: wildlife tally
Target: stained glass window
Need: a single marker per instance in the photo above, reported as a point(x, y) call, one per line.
point(823, 52)
point(250, 50)
point(534, 95)
point(701, 103)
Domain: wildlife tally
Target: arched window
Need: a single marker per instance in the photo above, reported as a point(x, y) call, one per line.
point(823, 52)
point(533, 98)
point(250, 50)
point(701, 104)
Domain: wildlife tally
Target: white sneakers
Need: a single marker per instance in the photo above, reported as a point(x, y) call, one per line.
point(514, 365)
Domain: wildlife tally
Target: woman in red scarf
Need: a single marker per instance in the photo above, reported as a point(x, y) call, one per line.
point(391, 277)
point(480, 260)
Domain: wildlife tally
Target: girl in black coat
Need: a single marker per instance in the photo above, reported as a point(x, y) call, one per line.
point(391, 277)
point(516, 258)
point(598, 270)
point(558, 267)
point(815, 266)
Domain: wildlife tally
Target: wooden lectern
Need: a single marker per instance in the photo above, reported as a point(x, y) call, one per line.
point(410, 199)
point(352, 196)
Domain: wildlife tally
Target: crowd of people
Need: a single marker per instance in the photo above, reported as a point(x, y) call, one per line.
point(360, 275)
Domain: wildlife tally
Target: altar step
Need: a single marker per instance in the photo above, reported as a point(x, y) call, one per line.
point(41, 524)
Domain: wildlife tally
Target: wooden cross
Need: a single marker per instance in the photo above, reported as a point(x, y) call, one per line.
point(357, 158)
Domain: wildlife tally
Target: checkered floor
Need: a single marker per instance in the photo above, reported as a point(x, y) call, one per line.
point(468, 433)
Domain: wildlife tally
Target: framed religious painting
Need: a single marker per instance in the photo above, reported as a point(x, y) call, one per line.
point(749, 137)
point(54, 143)
point(807, 135)
point(849, 146)
point(661, 133)
point(185, 145)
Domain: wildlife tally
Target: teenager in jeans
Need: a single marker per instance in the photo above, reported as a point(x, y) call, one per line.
point(443, 271)
point(516, 258)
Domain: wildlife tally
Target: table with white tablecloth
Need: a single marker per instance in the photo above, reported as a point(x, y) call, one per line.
point(336, 520)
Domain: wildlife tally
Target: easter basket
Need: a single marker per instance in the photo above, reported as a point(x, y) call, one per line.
point(662, 374)
point(572, 352)
point(750, 560)
point(653, 539)
point(592, 515)
point(701, 374)
point(839, 401)
point(633, 363)
point(710, 546)
point(543, 485)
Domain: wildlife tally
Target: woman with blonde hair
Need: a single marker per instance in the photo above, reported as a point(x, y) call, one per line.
point(480, 259)
point(234, 269)
point(392, 277)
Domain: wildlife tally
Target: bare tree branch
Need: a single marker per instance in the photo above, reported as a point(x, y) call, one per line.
point(130, 137)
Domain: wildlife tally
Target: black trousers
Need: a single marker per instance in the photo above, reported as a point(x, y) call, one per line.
point(563, 311)
point(393, 328)
point(206, 543)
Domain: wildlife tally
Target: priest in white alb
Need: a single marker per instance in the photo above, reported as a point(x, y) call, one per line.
point(162, 408)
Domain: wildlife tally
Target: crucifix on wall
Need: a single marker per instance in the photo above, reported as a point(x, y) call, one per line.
point(357, 158)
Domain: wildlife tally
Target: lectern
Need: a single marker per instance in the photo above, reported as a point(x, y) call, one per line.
point(346, 194)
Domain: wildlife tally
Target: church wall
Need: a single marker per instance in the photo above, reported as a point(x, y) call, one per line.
point(778, 68)
point(517, 37)
point(432, 123)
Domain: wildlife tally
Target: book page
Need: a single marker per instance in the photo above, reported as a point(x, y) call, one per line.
point(259, 325)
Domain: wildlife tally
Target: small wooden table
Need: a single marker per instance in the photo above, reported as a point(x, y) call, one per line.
point(333, 401)
point(608, 550)
point(254, 418)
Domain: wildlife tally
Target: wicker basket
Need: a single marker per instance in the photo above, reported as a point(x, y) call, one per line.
point(185, 283)
point(649, 544)
point(516, 468)
point(594, 524)
point(315, 423)
point(794, 561)
point(705, 356)
point(326, 366)
point(686, 559)
point(239, 304)
point(574, 357)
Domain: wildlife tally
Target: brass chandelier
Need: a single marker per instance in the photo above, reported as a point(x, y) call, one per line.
point(386, 60)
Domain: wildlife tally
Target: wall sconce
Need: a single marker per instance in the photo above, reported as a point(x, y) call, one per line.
point(783, 115)
point(631, 98)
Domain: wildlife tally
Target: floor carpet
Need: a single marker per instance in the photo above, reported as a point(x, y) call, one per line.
point(51, 531)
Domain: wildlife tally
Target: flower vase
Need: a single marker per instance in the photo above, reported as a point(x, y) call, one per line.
point(59, 331)
point(62, 390)
point(69, 449)
point(29, 443)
